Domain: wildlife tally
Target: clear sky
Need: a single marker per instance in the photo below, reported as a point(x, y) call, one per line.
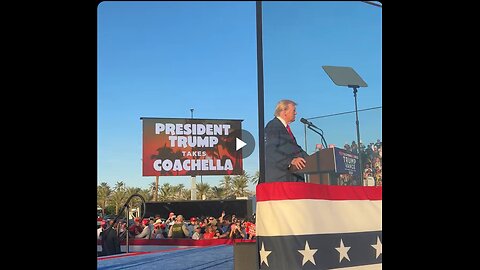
point(160, 59)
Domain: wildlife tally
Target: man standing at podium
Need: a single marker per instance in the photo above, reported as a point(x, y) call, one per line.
point(281, 148)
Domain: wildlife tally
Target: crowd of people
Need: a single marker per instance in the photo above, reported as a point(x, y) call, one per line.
point(174, 227)
point(372, 163)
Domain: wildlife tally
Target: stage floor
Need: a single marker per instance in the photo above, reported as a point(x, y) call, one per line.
point(174, 258)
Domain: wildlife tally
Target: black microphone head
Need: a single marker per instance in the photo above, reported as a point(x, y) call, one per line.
point(305, 121)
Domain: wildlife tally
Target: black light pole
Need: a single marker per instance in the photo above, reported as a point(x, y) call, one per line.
point(261, 113)
point(358, 132)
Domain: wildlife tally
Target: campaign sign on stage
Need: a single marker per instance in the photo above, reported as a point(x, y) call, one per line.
point(346, 161)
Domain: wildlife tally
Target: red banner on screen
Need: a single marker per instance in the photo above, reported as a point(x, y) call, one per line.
point(179, 146)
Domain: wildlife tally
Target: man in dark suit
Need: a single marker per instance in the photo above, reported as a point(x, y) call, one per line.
point(110, 240)
point(281, 148)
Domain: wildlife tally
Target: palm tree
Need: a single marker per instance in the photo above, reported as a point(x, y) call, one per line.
point(255, 178)
point(203, 189)
point(165, 192)
point(226, 184)
point(156, 187)
point(177, 191)
point(145, 193)
point(119, 195)
point(218, 192)
point(153, 189)
point(129, 192)
point(239, 185)
point(185, 194)
point(103, 194)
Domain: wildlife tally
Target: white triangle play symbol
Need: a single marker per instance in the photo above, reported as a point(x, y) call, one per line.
point(240, 144)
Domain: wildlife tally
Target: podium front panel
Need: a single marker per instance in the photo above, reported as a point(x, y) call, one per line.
point(325, 165)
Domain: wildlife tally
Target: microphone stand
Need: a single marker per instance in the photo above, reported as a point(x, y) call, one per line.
point(324, 143)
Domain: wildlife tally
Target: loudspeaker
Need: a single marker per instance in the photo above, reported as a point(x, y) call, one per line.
point(245, 256)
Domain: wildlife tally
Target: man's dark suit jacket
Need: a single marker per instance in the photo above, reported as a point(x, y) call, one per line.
point(280, 149)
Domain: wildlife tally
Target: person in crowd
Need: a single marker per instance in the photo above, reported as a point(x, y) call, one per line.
point(209, 232)
point(220, 218)
point(368, 171)
point(197, 235)
point(347, 147)
point(110, 240)
point(146, 230)
point(378, 144)
point(100, 229)
point(178, 229)
point(136, 228)
point(212, 221)
point(226, 227)
point(236, 231)
point(171, 219)
point(191, 226)
point(249, 225)
point(378, 176)
point(217, 235)
point(354, 147)
point(282, 153)
point(157, 232)
point(252, 232)
point(122, 229)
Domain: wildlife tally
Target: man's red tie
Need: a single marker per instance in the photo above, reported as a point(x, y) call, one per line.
point(290, 132)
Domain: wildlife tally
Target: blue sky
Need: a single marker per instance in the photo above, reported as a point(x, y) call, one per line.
point(159, 59)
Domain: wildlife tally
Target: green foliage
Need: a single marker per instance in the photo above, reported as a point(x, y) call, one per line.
point(112, 199)
point(110, 210)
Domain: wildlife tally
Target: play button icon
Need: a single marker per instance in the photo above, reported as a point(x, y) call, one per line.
point(246, 143)
point(239, 144)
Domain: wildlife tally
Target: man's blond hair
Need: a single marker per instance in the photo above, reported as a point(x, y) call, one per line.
point(282, 105)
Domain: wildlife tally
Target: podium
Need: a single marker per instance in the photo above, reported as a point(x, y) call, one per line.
point(325, 165)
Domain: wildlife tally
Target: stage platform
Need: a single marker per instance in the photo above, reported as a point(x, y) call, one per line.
point(174, 258)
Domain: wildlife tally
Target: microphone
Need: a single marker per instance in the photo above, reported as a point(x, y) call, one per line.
point(310, 125)
point(306, 122)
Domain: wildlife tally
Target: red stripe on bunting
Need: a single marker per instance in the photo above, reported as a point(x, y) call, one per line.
point(298, 191)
